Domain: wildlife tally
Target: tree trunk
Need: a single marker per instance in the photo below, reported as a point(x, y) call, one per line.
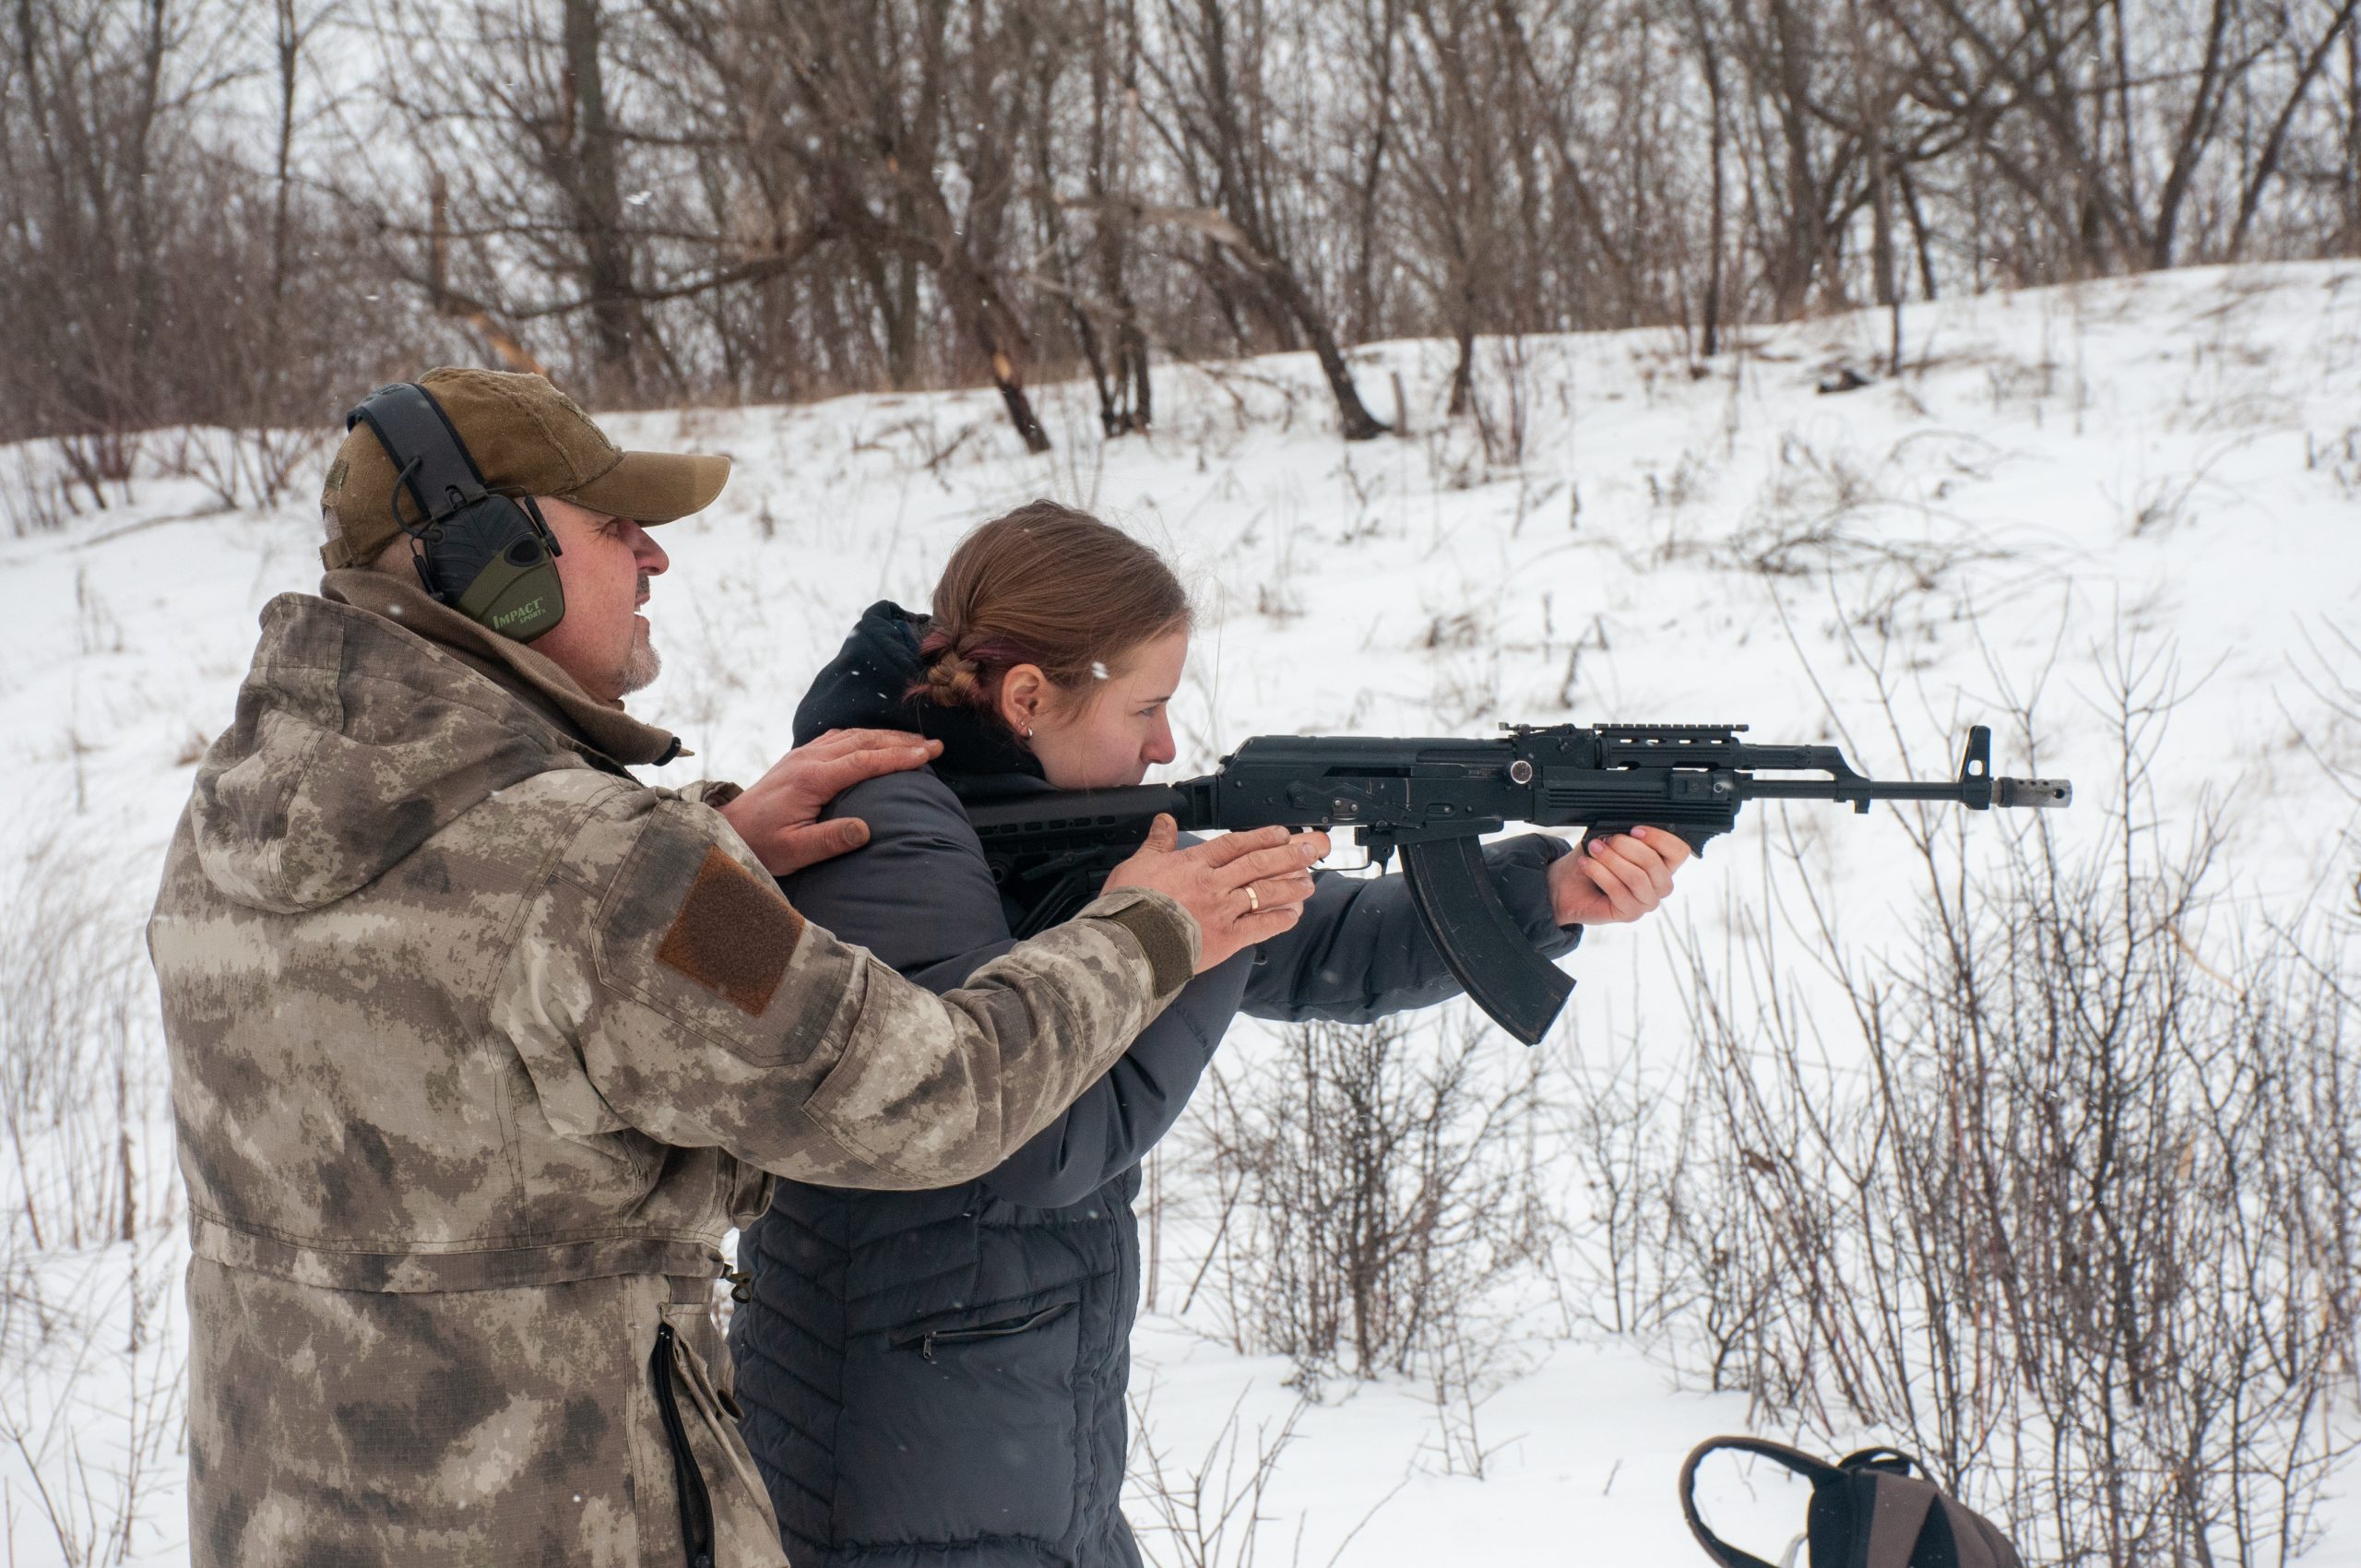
point(2196, 136)
point(1463, 372)
point(1020, 407)
point(1804, 241)
point(1718, 218)
point(598, 203)
point(997, 332)
point(1359, 423)
point(1135, 353)
point(287, 42)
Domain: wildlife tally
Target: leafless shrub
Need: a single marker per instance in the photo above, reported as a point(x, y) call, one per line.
point(1503, 402)
point(76, 1076)
point(92, 1374)
point(2338, 454)
point(91, 1370)
point(1681, 486)
point(2330, 673)
point(255, 465)
point(2051, 1197)
point(1629, 1137)
point(1209, 1515)
point(1463, 1376)
point(1376, 1183)
point(96, 463)
point(33, 494)
point(1212, 1513)
point(1663, 1251)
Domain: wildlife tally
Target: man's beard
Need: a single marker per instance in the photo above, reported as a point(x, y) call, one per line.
point(642, 664)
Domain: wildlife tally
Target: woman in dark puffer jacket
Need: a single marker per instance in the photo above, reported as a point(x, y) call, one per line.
point(937, 1378)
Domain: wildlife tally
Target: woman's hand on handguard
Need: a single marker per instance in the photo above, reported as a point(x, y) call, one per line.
point(1616, 879)
point(1242, 887)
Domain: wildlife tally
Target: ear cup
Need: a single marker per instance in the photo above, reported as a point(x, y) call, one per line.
point(492, 564)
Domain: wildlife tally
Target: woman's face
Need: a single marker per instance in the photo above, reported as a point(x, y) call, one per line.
point(1106, 736)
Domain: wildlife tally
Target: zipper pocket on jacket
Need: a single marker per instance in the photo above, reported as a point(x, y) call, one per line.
point(688, 1481)
point(927, 1341)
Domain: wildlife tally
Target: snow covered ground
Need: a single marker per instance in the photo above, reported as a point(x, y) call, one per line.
point(2161, 474)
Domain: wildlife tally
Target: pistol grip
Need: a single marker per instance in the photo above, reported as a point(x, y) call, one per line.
point(1487, 951)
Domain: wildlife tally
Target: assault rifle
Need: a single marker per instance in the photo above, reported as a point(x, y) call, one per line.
point(1434, 799)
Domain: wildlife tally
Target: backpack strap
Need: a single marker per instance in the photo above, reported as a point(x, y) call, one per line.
point(1817, 1471)
point(1898, 1510)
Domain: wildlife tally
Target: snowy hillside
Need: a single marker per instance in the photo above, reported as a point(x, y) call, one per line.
point(2154, 483)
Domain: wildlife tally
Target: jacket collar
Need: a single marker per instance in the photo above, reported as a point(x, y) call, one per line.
point(603, 728)
point(867, 686)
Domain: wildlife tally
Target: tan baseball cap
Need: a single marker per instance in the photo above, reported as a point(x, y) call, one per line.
point(527, 438)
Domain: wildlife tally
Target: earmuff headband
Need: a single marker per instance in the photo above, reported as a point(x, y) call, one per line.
point(435, 465)
point(485, 555)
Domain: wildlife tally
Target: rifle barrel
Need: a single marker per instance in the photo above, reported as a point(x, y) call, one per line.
point(2035, 793)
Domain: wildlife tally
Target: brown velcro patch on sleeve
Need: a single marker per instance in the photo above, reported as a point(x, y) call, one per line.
point(734, 934)
point(1166, 948)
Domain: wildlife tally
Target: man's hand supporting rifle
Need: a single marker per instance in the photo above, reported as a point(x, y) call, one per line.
point(1435, 799)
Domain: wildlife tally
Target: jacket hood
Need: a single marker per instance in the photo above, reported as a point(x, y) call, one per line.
point(864, 687)
point(355, 740)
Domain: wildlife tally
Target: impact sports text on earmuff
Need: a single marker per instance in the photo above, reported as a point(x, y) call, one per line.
point(489, 556)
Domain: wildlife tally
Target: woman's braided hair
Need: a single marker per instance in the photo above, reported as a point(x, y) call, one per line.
point(1049, 585)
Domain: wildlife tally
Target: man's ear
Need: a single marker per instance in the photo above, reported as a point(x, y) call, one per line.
point(1024, 691)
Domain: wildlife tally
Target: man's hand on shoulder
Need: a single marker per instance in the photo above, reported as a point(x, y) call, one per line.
point(779, 815)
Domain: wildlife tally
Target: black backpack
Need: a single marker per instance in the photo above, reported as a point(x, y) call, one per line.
point(1868, 1510)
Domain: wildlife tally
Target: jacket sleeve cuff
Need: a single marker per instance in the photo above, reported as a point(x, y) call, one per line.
point(1520, 867)
point(1167, 934)
point(714, 793)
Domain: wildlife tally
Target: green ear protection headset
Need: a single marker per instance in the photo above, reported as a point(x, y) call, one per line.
point(491, 557)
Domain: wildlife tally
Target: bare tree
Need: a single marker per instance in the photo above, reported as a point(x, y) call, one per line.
point(919, 162)
point(1089, 238)
point(1457, 171)
point(754, 199)
point(1216, 114)
point(527, 217)
point(88, 151)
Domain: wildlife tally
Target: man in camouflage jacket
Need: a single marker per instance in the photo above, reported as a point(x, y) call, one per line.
point(479, 1046)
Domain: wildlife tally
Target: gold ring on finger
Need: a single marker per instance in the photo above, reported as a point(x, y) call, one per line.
point(1253, 900)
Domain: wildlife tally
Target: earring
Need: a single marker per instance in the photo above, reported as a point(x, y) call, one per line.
point(1028, 731)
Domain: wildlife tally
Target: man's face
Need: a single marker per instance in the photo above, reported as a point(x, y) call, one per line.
point(604, 565)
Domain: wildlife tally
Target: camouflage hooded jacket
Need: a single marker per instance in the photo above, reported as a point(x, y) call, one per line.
point(478, 1048)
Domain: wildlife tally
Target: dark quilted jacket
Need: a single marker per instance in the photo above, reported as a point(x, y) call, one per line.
point(938, 1377)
